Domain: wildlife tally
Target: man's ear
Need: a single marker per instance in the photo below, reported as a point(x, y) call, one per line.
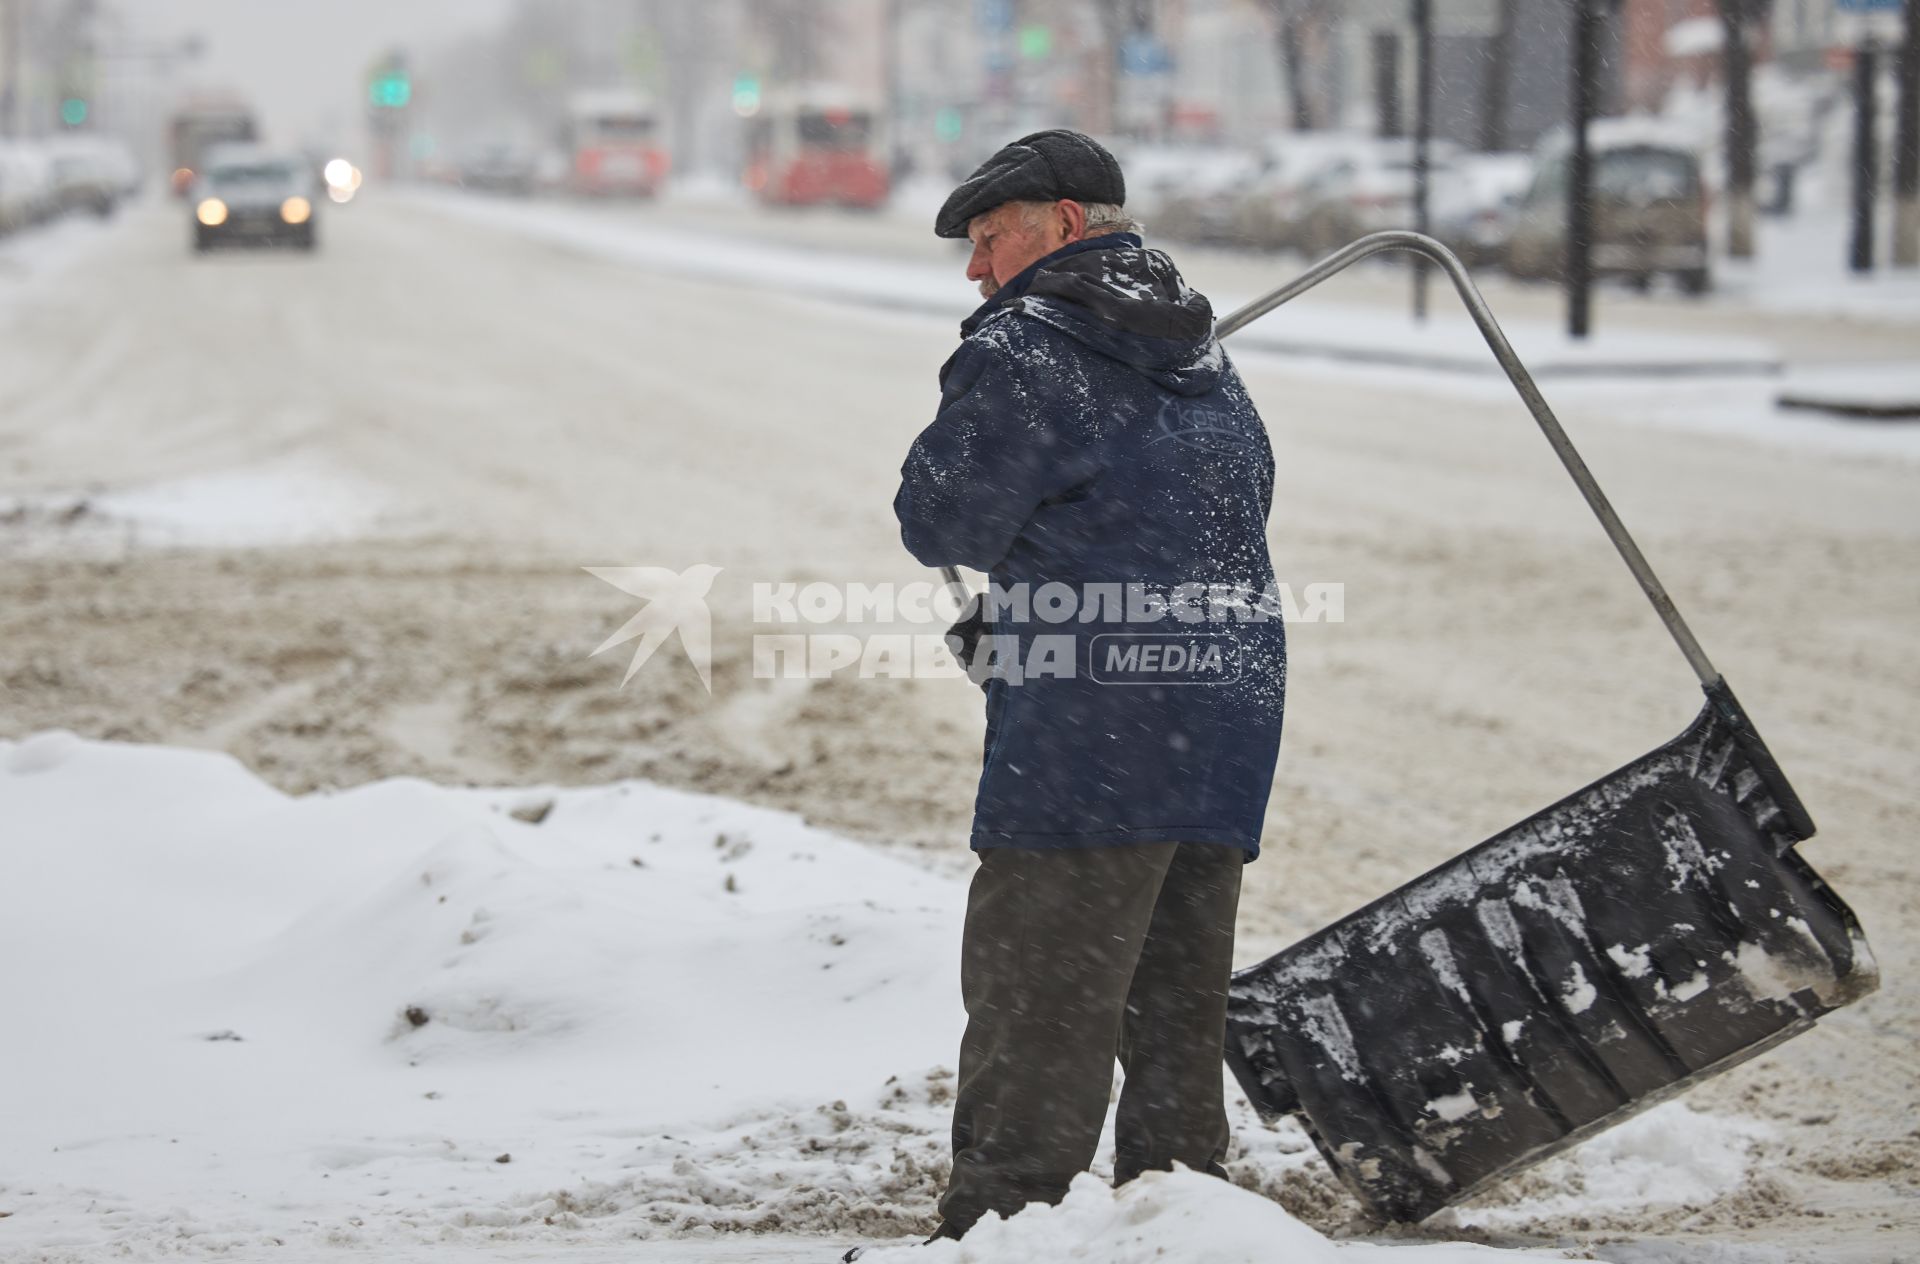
point(1073, 218)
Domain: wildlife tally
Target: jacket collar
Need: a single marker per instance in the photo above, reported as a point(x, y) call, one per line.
point(1019, 284)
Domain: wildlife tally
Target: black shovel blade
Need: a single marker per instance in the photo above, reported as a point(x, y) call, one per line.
point(1601, 956)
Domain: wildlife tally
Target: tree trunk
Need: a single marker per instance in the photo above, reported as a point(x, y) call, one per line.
point(1294, 66)
point(1113, 23)
point(1493, 88)
point(1288, 17)
point(1386, 84)
point(1736, 65)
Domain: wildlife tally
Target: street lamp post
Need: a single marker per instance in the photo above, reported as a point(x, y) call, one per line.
point(1422, 138)
point(1866, 154)
point(1579, 261)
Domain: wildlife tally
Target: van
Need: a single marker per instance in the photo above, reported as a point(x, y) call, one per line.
point(1649, 209)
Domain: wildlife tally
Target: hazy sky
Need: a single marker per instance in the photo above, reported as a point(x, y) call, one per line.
point(302, 62)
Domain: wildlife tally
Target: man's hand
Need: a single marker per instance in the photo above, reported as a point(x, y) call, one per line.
point(963, 640)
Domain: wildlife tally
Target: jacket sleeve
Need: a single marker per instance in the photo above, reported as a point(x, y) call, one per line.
point(997, 450)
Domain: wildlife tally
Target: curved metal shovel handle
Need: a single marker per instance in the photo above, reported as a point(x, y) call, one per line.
point(1417, 243)
point(1375, 243)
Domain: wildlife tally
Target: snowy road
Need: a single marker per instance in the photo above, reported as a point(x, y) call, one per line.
point(429, 427)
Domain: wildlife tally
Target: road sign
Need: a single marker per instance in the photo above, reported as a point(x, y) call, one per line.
point(1857, 21)
point(994, 17)
point(1142, 54)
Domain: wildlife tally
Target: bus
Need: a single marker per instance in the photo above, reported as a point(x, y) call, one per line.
point(816, 148)
point(200, 124)
point(612, 145)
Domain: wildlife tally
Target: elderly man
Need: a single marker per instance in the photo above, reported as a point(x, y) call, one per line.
point(1095, 453)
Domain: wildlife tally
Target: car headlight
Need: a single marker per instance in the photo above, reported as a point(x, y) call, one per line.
point(212, 212)
point(296, 210)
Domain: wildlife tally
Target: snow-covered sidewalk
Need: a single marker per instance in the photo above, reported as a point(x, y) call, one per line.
point(33, 258)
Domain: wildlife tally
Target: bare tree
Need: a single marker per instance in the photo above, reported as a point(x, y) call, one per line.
point(1296, 23)
point(1738, 18)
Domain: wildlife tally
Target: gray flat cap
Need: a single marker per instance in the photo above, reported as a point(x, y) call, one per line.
point(1043, 167)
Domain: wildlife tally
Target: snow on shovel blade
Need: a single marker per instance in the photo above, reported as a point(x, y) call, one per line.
point(1603, 955)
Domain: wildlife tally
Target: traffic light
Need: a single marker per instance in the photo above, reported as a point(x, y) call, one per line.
point(746, 94)
point(390, 89)
point(73, 111)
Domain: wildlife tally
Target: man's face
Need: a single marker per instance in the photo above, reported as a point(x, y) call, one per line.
point(1008, 238)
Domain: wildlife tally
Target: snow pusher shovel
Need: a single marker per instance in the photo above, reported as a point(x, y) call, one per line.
point(1603, 955)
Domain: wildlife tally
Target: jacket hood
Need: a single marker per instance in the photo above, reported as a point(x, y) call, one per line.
point(1124, 301)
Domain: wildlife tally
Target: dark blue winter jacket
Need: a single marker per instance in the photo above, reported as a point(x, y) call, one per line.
point(1096, 454)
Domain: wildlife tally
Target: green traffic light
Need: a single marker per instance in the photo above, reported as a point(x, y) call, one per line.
point(390, 92)
point(73, 111)
point(746, 94)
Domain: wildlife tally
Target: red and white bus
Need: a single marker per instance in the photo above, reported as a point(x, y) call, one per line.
point(816, 148)
point(613, 145)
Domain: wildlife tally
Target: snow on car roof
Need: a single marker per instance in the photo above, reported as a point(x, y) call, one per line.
point(1625, 132)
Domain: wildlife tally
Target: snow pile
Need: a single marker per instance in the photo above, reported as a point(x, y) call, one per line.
point(404, 1012)
point(1162, 1216)
point(409, 1016)
point(1670, 1156)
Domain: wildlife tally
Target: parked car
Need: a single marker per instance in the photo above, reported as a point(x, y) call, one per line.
point(1197, 202)
point(27, 191)
point(84, 179)
point(1266, 215)
point(254, 197)
point(1474, 214)
point(1368, 188)
point(1649, 208)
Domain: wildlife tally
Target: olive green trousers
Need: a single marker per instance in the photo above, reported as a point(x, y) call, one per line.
point(1072, 958)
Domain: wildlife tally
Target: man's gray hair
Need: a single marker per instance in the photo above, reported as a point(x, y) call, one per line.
point(1105, 217)
point(1102, 217)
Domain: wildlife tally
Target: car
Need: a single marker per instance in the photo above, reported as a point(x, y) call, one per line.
point(1190, 195)
point(1649, 208)
point(86, 178)
point(500, 167)
point(1267, 214)
point(28, 194)
point(1474, 214)
point(1370, 188)
point(254, 197)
